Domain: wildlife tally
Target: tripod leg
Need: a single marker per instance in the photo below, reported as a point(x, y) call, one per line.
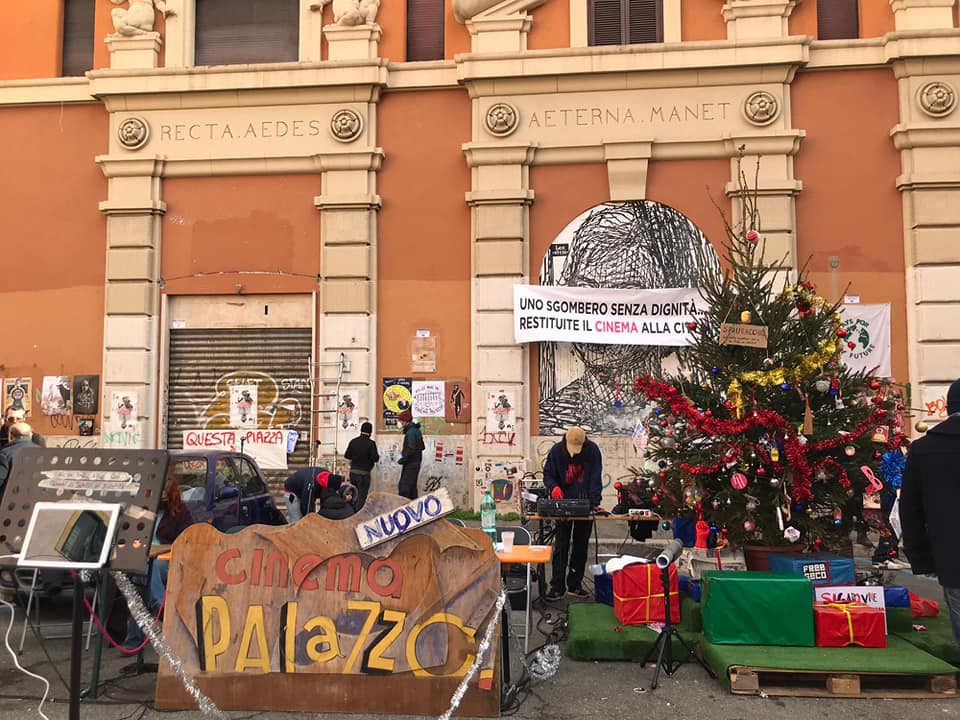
point(656, 672)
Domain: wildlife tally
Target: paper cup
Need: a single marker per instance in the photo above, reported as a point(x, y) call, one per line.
point(506, 537)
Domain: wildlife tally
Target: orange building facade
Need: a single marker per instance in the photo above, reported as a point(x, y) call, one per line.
point(340, 220)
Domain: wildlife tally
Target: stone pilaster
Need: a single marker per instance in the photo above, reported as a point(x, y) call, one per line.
point(134, 210)
point(926, 64)
point(757, 19)
point(137, 52)
point(499, 200)
point(910, 15)
point(347, 321)
point(352, 42)
point(775, 185)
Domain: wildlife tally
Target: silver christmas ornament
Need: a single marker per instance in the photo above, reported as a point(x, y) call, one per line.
point(774, 482)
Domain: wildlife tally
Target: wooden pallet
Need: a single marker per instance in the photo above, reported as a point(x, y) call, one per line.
point(818, 683)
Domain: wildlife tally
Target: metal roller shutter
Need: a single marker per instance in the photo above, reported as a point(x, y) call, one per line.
point(203, 365)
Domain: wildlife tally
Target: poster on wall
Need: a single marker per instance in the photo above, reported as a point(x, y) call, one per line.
point(348, 409)
point(501, 412)
point(457, 393)
point(86, 394)
point(124, 412)
point(501, 475)
point(243, 406)
point(429, 398)
point(55, 395)
point(868, 331)
point(423, 354)
point(17, 395)
point(397, 397)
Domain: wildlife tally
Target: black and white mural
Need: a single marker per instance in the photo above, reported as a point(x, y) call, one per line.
point(639, 244)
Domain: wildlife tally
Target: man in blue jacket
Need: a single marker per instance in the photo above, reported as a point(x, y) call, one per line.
point(573, 469)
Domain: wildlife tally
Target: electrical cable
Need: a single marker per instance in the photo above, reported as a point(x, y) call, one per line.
point(16, 661)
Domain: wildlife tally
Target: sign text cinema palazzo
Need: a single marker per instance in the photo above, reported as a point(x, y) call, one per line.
point(626, 115)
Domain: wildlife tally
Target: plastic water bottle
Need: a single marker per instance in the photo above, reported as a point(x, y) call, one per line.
point(488, 516)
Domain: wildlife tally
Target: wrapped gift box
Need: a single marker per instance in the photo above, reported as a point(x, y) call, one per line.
point(694, 562)
point(842, 624)
point(757, 608)
point(603, 586)
point(638, 595)
point(819, 568)
point(896, 596)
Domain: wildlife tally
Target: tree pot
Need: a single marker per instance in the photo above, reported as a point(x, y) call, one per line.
point(757, 557)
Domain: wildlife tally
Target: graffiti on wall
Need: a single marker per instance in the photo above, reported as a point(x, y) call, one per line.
point(274, 407)
point(614, 245)
point(502, 476)
point(445, 464)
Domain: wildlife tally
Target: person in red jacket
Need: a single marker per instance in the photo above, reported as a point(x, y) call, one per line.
point(574, 469)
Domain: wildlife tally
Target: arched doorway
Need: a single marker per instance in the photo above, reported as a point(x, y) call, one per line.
point(637, 244)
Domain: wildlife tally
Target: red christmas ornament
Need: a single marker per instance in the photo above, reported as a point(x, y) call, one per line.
point(691, 326)
point(709, 413)
point(851, 345)
point(752, 236)
point(761, 471)
point(877, 455)
point(662, 474)
point(738, 481)
point(749, 525)
point(618, 486)
point(841, 333)
point(874, 384)
point(655, 499)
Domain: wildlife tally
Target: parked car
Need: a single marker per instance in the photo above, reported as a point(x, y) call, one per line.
point(225, 489)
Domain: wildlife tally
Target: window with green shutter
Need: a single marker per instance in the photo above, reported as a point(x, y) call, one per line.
point(624, 22)
point(77, 55)
point(236, 32)
point(838, 19)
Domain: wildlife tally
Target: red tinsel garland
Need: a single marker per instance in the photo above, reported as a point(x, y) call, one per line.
point(798, 452)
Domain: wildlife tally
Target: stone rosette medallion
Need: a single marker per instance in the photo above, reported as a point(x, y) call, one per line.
point(761, 108)
point(346, 125)
point(133, 133)
point(937, 99)
point(502, 119)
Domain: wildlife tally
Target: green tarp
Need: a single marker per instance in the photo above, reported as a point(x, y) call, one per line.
point(596, 634)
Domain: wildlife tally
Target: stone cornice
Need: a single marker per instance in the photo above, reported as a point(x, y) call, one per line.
point(43, 91)
point(932, 136)
point(478, 154)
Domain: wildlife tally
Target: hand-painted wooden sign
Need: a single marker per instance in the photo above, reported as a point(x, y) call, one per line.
point(754, 336)
point(301, 618)
point(414, 514)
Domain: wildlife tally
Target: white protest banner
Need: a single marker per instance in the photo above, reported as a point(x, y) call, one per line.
point(605, 316)
point(393, 524)
point(868, 330)
point(869, 595)
point(267, 447)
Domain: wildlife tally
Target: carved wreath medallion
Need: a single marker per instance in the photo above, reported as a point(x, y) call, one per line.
point(133, 133)
point(761, 108)
point(346, 125)
point(938, 99)
point(502, 119)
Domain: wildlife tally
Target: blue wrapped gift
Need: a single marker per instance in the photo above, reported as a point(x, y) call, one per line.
point(603, 587)
point(819, 568)
point(690, 587)
point(896, 596)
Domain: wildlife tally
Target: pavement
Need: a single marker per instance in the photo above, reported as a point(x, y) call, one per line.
point(579, 690)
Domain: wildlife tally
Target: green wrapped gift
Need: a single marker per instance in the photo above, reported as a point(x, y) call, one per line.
point(757, 608)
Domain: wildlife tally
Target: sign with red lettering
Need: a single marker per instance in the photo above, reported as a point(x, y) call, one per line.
point(267, 447)
point(390, 629)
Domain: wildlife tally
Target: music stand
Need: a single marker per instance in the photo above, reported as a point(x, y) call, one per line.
point(663, 648)
point(97, 479)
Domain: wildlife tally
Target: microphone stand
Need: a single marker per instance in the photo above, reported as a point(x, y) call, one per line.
point(664, 645)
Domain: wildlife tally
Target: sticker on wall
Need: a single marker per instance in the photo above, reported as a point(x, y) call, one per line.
point(86, 394)
point(501, 413)
point(55, 399)
point(397, 397)
point(501, 475)
point(457, 393)
point(428, 398)
point(348, 409)
point(124, 411)
point(243, 406)
point(423, 355)
point(16, 394)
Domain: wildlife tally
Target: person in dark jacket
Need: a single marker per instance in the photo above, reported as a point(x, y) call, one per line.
point(573, 469)
point(411, 456)
point(362, 454)
point(302, 489)
point(338, 504)
point(20, 437)
point(929, 499)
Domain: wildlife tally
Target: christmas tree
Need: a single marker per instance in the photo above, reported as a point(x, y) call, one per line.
point(763, 436)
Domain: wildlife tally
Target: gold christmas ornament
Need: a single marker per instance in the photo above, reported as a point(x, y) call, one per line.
point(922, 426)
point(746, 317)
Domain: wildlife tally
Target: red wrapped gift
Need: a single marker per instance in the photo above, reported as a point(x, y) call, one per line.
point(842, 624)
point(638, 595)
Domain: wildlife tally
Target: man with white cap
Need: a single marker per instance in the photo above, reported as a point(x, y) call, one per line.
point(573, 469)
